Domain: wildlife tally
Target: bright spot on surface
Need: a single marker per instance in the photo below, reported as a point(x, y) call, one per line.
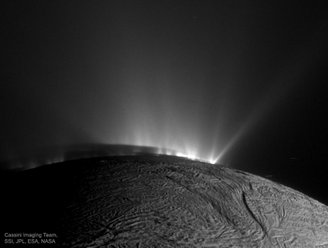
point(194, 157)
point(213, 161)
point(180, 154)
point(190, 155)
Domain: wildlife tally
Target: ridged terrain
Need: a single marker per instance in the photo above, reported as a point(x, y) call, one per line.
point(159, 201)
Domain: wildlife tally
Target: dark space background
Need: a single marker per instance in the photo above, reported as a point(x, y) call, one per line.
point(242, 80)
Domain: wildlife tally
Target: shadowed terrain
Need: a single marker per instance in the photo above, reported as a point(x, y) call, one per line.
point(55, 154)
point(159, 201)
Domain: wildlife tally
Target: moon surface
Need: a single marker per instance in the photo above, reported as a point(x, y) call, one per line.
point(165, 201)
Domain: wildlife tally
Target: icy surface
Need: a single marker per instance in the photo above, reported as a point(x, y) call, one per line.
point(160, 201)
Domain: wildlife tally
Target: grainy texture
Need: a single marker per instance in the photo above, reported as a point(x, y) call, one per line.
point(159, 201)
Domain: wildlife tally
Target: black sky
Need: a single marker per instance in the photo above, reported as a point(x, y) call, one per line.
point(194, 74)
